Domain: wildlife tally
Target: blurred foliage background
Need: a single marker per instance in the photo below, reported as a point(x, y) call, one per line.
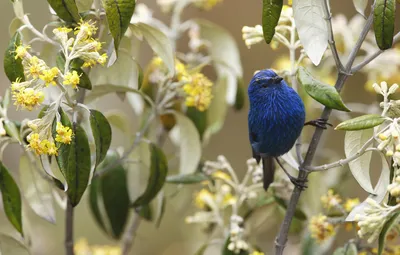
point(174, 236)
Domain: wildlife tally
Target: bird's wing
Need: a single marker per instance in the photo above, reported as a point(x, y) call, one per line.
point(254, 146)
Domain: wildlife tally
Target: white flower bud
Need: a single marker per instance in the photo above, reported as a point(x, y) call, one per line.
point(393, 88)
point(377, 89)
point(384, 87)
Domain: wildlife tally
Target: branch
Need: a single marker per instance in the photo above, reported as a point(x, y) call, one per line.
point(69, 229)
point(366, 61)
point(331, 40)
point(281, 239)
point(129, 236)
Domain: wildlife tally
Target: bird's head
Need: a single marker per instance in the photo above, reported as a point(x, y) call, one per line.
point(263, 80)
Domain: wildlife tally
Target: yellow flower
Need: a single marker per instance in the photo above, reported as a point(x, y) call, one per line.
point(48, 147)
point(85, 29)
point(102, 59)
point(330, 200)
point(28, 98)
point(36, 67)
point(198, 92)
point(89, 63)
point(203, 198)
point(221, 175)
point(64, 29)
point(290, 2)
point(257, 253)
point(206, 4)
point(181, 72)
point(82, 248)
point(21, 51)
point(49, 75)
point(351, 203)
point(41, 146)
point(64, 134)
point(72, 79)
point(320, 228)
point(229, 199)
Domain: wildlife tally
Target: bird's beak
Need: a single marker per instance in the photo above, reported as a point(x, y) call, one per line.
point(276, 79)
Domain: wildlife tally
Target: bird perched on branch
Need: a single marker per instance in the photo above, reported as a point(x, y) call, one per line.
point(276, 119)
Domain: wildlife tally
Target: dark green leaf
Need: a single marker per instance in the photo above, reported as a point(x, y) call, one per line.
point(299, 214)
point(11, 198)
point(187, 178)
point(66, 10)
point(119, 14)
point(323, 93)
point(270, 17)
point(43, 111)
point(84, 81)
point(240, 95)
point(74, 160)
point(102, 134)
point(13, 67)
point(146, 212)
point(226, 251)
point(384, 17)
point(385, 230)
point(348, 249)
point(362, 122)
point(199, 119)
point(158, 174)
point(94, 194)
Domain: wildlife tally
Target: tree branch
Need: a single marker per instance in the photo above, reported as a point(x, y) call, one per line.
point(281, 239)
point(129, 236)
point(366, 61)
point(69, 229)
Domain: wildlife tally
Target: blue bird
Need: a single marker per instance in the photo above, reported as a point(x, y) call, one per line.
point(276, 119)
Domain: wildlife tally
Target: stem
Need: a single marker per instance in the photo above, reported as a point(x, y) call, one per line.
point(129, 236)
point(69, 229)
point(281, 239)
point(42, 37)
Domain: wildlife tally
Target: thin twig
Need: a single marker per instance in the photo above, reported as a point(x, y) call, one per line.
point(281, 239)
point(69, 229)
point(370, 58)
point(129, 236)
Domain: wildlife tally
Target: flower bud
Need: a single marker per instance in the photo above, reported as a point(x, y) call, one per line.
point(377, 89)
point(393, 88)
point(389, 153)
point(384, 87)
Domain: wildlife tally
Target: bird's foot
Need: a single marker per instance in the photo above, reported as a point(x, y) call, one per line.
point(321, 123)
point(301, 184)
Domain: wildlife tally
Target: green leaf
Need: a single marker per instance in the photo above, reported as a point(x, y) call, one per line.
point(360, 6)
point(226, 251)
point(12, 130)
point(158, 174)
point(162, 203)
point(84, 81)
point(13, 67)
point(119, 14)
point(240, 95)
point(359, 167)
point(75, 65)
point(11, 198)
point(185, 135)
point(187, 178)
point(159, 43)
point(66, 10)
point(11, 246)
point(102, 134)
point(146, 212)
point(323, 93)
point(84, 5)
point(361, 122)
point(74, 160)
point(385, 230)
point(348, 249)
point(199, 119)
point(270, 17)
point(384, 17)
point(118, 119)
point(111, 190)
point(299, 214)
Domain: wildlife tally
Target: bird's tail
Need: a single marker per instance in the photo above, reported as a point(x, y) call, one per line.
point(268, 171)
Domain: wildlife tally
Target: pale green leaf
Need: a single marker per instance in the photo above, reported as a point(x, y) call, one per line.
point(84, 5)
point(36, 190)
point(361, 122)
point(311, 26)
point(392, 222)
point(159, 43)
point(323, 93)
point(187, 178)
point(10, 246)
point(102, 134)
point(186, 136)
point(360, 6)
point(359, 167)
point(225, 54)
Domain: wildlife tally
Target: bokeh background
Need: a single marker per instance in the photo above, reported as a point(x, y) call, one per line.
point(174, 237)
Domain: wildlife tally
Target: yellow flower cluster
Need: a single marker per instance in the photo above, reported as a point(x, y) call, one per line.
point(330, 200)
point(72, 78)
point(82, 247)
point(198, 92)
point(206, 4)
point(320, 228)
point(64, 134)
point(27, 98)
point(40, 146)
